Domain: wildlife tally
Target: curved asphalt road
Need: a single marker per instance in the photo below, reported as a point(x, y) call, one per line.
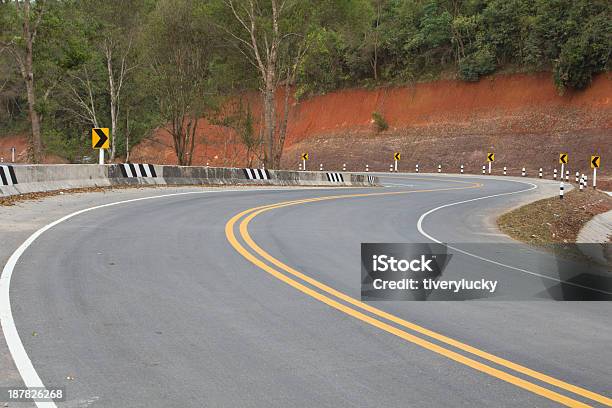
point(147, 304)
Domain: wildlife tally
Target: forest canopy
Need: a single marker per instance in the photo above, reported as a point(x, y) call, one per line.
point(68, 65)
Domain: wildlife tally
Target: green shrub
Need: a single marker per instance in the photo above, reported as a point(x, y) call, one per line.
point(380, 122)
point(479, 63)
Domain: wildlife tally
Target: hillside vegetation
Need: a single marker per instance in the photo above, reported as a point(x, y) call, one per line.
point(139, 65)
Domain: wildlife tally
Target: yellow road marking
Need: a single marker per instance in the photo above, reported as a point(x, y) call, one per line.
point(253, 212)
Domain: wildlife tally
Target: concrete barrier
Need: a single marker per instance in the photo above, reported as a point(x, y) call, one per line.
point(41, 178)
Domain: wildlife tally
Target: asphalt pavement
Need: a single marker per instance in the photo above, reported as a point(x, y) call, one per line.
point(152, 303)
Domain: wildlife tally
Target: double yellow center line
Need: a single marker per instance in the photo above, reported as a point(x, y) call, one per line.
point(381, 319)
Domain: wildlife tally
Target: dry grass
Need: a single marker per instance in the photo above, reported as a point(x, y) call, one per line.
point(554, 221)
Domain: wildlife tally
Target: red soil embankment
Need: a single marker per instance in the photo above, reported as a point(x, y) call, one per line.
point(521, 117)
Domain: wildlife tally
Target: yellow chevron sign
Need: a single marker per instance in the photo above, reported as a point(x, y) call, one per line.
point(490, 157)
point(304, 156)
point(100, 138)
point(397, 156)
point(563, 158)
point(595, 162)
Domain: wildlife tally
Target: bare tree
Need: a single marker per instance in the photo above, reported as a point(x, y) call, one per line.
point(267, 49)
point(22, 51)
point(116, 76)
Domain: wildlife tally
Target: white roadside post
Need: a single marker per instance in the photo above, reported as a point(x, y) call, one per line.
point(483, 169)
point(594, 177)
point(299, 166)
point(417, 168)
point(367, 168)
point(395, 165)
point(439, 168)
point(586, 181)
point(581, 183)
point(462, 169)
point(344, 167)
point(321, 167)
point(523, 173)
point(390, 168)
point(101, 156)
point(13, 149)
point(561, 190)
point(540, 174)
point(304, 164)
point(562, 170)
point(555, 174)
point(577, 176)
point(505, 170)
point(567, 175)
point(490, 167)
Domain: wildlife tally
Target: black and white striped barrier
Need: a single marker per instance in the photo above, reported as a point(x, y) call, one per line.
point(7, 175)
point(335, 177)
point(523, 172)
point(439, 168)
point(417, 168)
point(566, 175)
point(131, 170)
point(461, 169)
point(540, 173)
point(483, 169)
point(555, 174)
point(577, 176)
point(371, 179)
point(561, 190)
point(505, 170)
point(257, 174)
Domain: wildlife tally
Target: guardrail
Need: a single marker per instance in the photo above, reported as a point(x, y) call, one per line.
point(40, 178)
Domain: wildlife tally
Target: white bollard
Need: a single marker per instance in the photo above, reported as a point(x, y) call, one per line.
point(439, 168)
point(504, 170)
point(321, 167)
point(566, 175)
point(540, 173)
point(300, 166)
point(577, 176)
point(586, 181)
point(344, 167)
point(561, 190)
point(581, 183)
point(523, 173)
point(483, 169)
point(462, 169)
point(391, 168)
point(417, 168)
point(367, 168)
point(555, 174)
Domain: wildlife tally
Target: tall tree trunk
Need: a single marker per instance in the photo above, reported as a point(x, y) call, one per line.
point(113, 100)
point(27, 73)
point(269, 122)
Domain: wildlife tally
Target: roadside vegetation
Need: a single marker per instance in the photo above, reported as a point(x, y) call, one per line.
point(554, 221)
point(137, 65)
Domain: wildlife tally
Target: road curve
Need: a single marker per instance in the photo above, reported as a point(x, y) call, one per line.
point(152, 304)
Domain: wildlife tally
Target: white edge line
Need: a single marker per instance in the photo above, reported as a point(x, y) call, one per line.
point(533, 187)
point(13, 340)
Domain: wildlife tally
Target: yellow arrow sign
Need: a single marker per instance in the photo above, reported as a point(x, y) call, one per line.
point(304, 156)
point(100, 138)
point(595, 162)
point(563, 158)
point(490, 157)
point(397, 156)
